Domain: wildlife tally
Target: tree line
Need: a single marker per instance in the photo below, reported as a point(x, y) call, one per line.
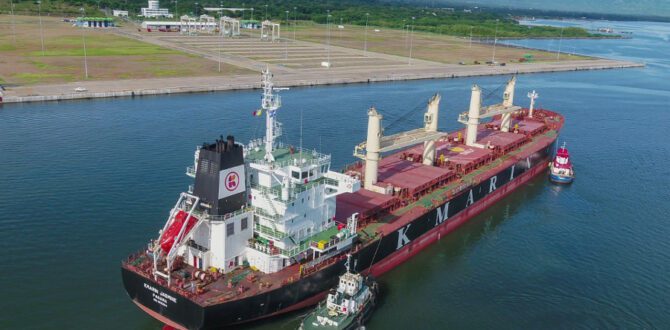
point(377, 13)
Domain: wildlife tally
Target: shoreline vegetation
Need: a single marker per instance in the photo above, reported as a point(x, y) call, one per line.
point(449, 21)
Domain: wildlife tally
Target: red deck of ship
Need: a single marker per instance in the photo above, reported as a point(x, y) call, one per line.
point(453, 159)
point(367, 203)
point(411, 177)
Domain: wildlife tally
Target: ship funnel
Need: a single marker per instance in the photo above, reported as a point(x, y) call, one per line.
point(220, 176)
point(473, 116)
point(508, 100)
point(430, 122)
point(373, 145)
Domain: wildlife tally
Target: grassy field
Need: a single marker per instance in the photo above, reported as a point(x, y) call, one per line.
point(427, 46)
point(110, 56)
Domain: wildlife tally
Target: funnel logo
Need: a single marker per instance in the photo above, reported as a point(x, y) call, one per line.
point(231, 181)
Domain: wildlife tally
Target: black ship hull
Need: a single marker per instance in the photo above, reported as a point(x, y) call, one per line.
point(379, 256)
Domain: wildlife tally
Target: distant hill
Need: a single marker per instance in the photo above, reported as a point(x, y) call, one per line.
point(413, 16)
point(619, 8)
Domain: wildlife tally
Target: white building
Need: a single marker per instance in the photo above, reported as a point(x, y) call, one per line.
point(155, 11)
point(177, 26)
point(120, 13)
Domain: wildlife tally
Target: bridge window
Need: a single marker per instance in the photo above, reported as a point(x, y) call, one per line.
point(230, 229)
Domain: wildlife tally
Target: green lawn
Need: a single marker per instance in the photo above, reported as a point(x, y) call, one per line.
point(100, 45)
point(32, 78)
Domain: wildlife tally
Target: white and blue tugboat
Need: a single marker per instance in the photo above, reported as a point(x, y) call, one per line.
point(347, 307)
point(560, 169)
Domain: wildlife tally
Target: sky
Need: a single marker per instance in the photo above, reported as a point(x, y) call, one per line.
point(626, 7)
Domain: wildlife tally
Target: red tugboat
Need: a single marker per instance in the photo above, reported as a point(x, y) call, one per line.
point(560, 169)
point(266, 228)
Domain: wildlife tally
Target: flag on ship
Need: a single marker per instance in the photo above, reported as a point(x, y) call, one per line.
point(257, 113)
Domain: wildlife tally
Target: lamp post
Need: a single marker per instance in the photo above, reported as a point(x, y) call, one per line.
point(222, 34)
point(340, 28)
point(39, 12)
point(295, 21)
point(196, 9)
point(176, 13)
point(13, 23)
point(328, 26)
point(220, 46)
point(495, 42)
point(471, 27)
point(266, 13)
point(365, 44)
point(83, 38)
point(411, 42)
point(252, 14)
point(560, 40)
point(285, 40)
point(405, 29)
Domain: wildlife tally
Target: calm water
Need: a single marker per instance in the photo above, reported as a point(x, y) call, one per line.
point(82, 184)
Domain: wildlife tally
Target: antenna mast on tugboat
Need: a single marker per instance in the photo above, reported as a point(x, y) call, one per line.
point(270, 104)
point(347, 264)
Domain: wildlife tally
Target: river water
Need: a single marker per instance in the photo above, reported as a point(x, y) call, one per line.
point(85, 183)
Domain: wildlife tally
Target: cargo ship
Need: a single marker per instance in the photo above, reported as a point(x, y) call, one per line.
point(266, 227)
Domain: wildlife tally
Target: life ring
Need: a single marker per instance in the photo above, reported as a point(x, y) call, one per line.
point(348, 185)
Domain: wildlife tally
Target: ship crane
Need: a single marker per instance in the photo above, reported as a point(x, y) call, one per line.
point(376, 143)
point(532, 96)
point(471, 119)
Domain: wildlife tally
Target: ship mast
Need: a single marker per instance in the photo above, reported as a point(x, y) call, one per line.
point(270, 104)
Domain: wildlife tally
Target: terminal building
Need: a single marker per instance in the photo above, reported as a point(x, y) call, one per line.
point(94, 22)
point(154, 10)
point(179, 26)
point(119, 13)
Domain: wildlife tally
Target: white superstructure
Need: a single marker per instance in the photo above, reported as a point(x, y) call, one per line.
point(285, 205)
point(292, 192)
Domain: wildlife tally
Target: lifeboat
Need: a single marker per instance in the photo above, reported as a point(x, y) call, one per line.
point(173, 230)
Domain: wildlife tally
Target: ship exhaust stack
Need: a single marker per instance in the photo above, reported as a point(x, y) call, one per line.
point(430, 121)
point(508, 101)
point(473, 116)
point(220, 176)
point(372, 147)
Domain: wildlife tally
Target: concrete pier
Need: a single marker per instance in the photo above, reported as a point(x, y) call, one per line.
point(157, 86)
